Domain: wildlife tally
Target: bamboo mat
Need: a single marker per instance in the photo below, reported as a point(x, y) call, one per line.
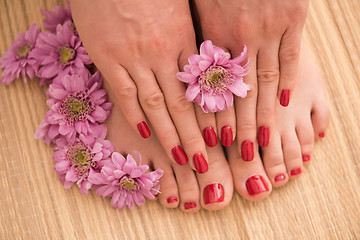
point(323, 204)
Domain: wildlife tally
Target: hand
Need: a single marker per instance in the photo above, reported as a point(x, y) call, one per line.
point(138, 46)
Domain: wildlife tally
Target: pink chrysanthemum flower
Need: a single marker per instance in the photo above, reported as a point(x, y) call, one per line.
point(76, 161)
point(17, 60)
point(126, 181)
point(213, 78)
point(59, 16)
point(61, 53)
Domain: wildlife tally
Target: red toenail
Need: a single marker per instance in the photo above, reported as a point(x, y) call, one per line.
point(226, 136)
point(263, 136)
point(144, 129)
point(306, 158)
point(247, 150)
point(172, 199)
point(322, 134)
point(256, 184)
point(179, 155)
point(296, 171)
point(200, 163)
point(285, 97)
point(189, 205)
point(210, 136)
point(213, 193)
point(280, 177)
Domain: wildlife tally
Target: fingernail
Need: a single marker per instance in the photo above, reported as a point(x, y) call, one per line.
point(306, 158)
point(263, 136)
point(179, 155)
point(213, 193)
point(189, 205)
point(322, 134)
point(285, 97)
point(295, 172)
point(210, 136)
point(247, 150)
point(256, 184)
point(226, 136)
point(172, 199)
point(200, 163)
point(144, 129)
point(280, 177)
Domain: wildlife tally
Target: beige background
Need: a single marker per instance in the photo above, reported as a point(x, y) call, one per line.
point(323, 204)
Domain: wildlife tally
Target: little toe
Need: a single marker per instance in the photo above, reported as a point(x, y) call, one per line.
point(320, 116)
point(292, 153)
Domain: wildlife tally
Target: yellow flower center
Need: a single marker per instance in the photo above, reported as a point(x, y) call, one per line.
point(215, 80)
point(23, 50)
point(128, 184)
point(66, 54)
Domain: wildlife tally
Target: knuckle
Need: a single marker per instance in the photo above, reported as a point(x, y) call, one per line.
point(289, 55)
point(180, 105)
point(193, 141)
point(268, 77)
point(266, 112)
point(245, 128)
point(252, 93)
point(128, 91)
point(154, 100)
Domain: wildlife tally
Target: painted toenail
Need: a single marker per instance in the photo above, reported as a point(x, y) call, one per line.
point(322, 135)
point(189, 205)
point(285, 97)
point(280, 177)
point(172, 199)
point(179, 155)
point(144, 129)
point(200, 163)
point(306, 158)
point(210, 136)
point(295, 172)
point(256, 184)
point(213, 193)
point(226, 136)
point(263, 136)
point(247, 150)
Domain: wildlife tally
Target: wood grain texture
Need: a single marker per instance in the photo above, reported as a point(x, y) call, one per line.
point(323, 204)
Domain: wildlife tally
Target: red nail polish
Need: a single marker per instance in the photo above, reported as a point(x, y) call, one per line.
point(263, 136)
point(172, 199)
point(213, 193)
point(200, 163)
point(295, 172)
point(179, 155)
point(210, 137)
point(189, 205)
point(256, 184)
point(322, 134)
point(306, 158)
point(247, 150)
point(144, 129)
point(285, 97)
point(226, 136)
point(280, 177)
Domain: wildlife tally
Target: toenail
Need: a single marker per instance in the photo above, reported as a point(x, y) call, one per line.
point(263, 136)
point(226, 136)
point(200, 163)
point(172, 199)
point(189, 205)
point(280, 177)
point(295, 172)
point(179, 155)
point(210, 136)
point(144, 129)
point(306, 158)
point(256, 184)
point(322, 134)
point(247, 150)
point(213, 193)
point(285, 97)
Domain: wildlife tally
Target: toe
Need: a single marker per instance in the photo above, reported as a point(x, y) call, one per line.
point(320, 118)
point(305, 134)
point(292, 153)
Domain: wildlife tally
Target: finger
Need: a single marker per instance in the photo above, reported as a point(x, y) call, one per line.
point(288, 58)
point(207, 124)
point(226, 125)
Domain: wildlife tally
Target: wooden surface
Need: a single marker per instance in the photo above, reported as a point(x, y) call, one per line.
point(323, 204)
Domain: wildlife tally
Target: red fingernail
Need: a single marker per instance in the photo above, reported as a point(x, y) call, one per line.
point(210, 136)
point(247, 150)
point(200, 163)
point(179, 155)
point(172, 199)
point(213, 193)
point(189, 205)
point(306, 158)
point(285, 97)
point(144, 129)
point(295, 172)
point(263, 136)
point(280, 177)
point(322, 134)
point(226, 136)
point(256, 184)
